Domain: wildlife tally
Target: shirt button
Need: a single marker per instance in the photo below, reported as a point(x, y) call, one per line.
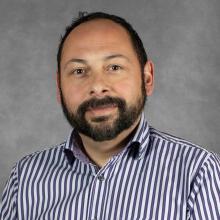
point(101, 177)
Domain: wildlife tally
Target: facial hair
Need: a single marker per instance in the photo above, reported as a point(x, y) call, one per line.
point(100, 129)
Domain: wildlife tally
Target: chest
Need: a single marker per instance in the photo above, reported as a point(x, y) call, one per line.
point(135, 191)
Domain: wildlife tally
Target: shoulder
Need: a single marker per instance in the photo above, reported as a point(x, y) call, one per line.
point(176, 142)
point(52, 155)
point(46, 152)
point(188, 155)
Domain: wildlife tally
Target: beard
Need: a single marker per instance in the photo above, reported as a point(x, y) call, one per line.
point(103, 128)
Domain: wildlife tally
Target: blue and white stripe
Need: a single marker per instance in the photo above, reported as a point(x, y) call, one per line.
point(157, 176)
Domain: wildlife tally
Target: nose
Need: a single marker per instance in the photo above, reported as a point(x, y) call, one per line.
point(99, 86)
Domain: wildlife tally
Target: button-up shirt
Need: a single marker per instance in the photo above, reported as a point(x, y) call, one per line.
point(156, 176)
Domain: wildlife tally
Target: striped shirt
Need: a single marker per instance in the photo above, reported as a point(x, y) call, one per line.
point(156, 176)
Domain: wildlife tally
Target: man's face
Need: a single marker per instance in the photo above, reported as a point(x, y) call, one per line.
point(102, 90)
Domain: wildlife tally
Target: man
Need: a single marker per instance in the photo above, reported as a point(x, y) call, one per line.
point(113, 166)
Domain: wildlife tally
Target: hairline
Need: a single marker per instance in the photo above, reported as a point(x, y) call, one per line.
point(135, 40)
point(128, 33)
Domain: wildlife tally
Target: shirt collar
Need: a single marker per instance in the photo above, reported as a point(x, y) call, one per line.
point(140, 141)
point(138, 144)
point(68, 148)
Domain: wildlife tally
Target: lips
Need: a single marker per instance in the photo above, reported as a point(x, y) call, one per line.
point(102, 110)
point(102, 107)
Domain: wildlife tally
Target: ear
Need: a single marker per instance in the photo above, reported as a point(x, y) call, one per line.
point(58, 88)
point(149, 77)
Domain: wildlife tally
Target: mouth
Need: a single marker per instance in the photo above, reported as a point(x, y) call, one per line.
point(102, 110)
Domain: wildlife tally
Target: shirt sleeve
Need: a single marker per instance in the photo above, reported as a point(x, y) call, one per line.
point(8, 206)
point(204, 199)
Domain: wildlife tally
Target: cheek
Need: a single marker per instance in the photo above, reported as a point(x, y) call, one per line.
point(73, 96)
point(129, 90)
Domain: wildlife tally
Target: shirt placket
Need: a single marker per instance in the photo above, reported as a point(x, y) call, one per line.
point(95, 196)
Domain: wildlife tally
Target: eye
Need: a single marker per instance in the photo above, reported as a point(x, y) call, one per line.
point(114, 67)
point(79, 71)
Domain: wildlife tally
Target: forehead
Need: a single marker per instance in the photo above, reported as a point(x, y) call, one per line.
point(98, 26)
point(99, 33)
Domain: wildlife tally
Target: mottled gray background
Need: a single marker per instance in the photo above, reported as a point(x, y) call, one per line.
point(181, 37)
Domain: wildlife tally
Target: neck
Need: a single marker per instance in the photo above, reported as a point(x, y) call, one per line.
point(101, 152)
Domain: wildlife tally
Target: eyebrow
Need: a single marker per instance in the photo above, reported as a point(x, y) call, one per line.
point(75, 60)
point(116, 56)
point(109, 57)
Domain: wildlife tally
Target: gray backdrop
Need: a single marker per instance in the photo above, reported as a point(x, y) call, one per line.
point(181, 37)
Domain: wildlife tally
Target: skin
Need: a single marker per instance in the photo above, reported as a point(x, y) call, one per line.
point(99, 60)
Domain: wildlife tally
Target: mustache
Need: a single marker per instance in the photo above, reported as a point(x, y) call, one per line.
point(95, 103)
